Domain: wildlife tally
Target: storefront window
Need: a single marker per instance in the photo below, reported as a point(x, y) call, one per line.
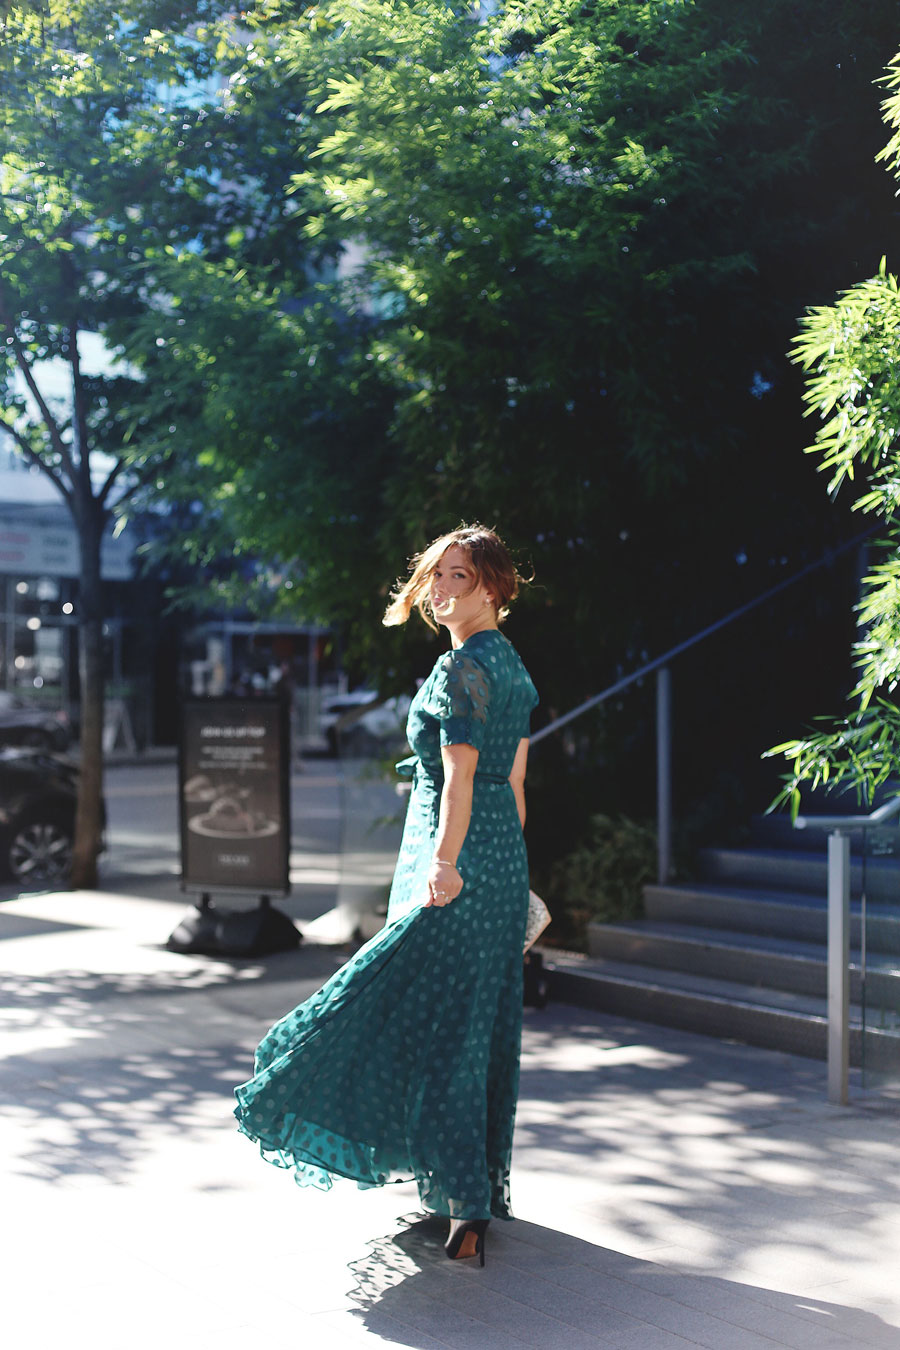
point(35, 615)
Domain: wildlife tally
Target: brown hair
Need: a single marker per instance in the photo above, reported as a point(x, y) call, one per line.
point(488, 557)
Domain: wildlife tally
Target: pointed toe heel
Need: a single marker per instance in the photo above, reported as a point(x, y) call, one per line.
point(474, 1227)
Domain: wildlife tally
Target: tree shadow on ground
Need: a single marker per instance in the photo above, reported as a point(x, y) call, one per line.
point(664, 1138)
point(543, 1287)
point(100, 1069)
point(712, 1150)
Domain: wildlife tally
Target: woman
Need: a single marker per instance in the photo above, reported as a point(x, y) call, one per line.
point(405, 1064)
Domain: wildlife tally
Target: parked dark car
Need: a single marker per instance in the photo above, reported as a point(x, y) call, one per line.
point(37, 816)
point(24, 723)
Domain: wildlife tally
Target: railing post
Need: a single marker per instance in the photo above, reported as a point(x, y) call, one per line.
point(838, 966)
point(663, 774)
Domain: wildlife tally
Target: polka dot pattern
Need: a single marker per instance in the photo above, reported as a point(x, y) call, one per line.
point(405, 1064)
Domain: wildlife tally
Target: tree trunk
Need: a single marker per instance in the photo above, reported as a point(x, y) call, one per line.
point(90, 519)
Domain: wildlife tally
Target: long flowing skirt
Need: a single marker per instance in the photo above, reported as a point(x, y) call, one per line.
point(405, 1064)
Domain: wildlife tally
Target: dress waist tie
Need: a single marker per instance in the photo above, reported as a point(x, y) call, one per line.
point(414, 768)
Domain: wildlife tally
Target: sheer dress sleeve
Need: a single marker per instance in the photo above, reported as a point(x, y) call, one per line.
point(460, 700)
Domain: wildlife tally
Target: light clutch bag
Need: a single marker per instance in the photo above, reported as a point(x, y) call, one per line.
point(538, 919)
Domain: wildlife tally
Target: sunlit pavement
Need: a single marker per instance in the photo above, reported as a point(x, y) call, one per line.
point(671, 1191)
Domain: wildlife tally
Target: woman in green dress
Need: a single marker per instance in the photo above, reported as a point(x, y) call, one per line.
point(405, 1065)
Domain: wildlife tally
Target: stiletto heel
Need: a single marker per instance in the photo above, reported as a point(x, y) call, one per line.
point(476, 1226)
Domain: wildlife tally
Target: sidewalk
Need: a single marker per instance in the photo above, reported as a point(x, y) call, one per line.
point(672, 1191)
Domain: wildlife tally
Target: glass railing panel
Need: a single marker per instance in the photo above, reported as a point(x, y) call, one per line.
point(876, 959)
point(373, 809)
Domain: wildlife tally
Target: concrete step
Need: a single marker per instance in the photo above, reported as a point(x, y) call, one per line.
point(789, 914)
point(751, 959)
point(796, 870)
point(772, 1018)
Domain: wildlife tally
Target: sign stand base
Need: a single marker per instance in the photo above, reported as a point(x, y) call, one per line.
point(206, 930)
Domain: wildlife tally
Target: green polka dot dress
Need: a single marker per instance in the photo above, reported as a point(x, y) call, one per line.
point(405, 1065)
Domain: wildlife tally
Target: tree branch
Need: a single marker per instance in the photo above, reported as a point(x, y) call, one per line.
point(111, 478)
point(80, 437)
point(59, 446)
point(142, 475)
point(34, 458)
point(79, 417)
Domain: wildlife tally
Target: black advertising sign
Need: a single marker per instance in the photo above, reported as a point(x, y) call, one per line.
point(234, 795)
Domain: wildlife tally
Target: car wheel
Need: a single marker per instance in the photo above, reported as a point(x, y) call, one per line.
point(40, 853)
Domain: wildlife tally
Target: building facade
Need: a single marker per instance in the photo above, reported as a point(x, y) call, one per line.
point(39, 565)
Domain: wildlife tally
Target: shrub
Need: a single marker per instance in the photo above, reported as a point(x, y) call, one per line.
point(602, 880)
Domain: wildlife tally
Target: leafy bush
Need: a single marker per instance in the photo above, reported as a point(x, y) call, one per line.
point(602, 880)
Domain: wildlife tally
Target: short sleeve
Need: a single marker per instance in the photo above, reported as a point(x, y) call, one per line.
point(460, 700)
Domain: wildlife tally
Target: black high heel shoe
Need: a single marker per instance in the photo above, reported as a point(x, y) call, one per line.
point(477, 1226)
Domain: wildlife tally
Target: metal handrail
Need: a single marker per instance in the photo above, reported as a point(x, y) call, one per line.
point(706, 632)
point(876, 817)
point(838, 975)
point(839, 826)
point(664, 701)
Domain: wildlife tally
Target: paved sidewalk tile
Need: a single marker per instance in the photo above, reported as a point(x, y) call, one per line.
point(672, 1191)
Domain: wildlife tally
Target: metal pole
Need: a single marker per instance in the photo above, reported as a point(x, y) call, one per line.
point(838, 966)
point(312, 683)
point(663, 774)
point(9, 673)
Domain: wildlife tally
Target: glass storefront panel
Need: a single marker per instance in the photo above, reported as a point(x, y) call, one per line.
point(33, 638)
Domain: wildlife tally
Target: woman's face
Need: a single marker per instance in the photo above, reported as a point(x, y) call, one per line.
point(455, 593)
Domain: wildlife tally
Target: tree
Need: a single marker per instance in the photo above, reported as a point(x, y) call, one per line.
point(850, 351)
point(583, 235)
point(116, 155)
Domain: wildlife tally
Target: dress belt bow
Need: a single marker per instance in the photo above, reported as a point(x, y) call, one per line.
point(414, 768)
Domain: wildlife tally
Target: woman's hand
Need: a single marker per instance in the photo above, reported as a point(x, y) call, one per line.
point(444, 883)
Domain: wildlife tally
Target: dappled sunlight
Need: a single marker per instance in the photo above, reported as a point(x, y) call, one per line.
point(720, 1171)
point(102, 1117)
point(641, 1155)
point(397, 1257)
point(75, 1005)
point(101, 1069)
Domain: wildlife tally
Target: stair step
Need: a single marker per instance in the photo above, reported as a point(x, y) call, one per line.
point(775, 1019)
point(748, 958)
point(796, 870)
point(788, 914)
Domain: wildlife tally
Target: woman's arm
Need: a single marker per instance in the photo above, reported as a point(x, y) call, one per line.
point(517, 777)
point(444, 881)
